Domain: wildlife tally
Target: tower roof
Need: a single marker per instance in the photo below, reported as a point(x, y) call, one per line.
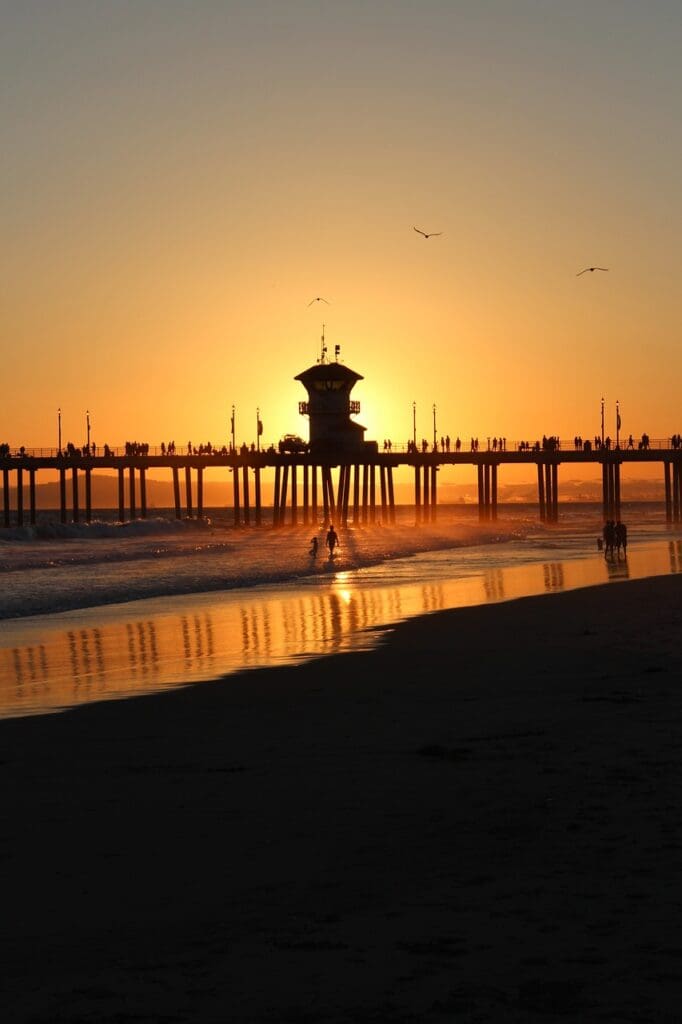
point(328, 371)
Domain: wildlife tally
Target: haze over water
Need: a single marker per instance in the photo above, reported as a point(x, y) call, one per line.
point(106, 612)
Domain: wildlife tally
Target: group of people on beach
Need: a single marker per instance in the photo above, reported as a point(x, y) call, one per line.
point(614, 538)
point(331, 542)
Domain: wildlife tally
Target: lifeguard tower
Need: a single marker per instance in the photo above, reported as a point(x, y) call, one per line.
point(329, 408)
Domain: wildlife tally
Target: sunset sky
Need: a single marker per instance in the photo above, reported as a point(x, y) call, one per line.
point(180, 180)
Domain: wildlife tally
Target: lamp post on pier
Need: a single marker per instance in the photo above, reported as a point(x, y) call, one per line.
point(259, 428)
point(602, 422)
point(435, 439)
point(414, 425)
point(87, 422)
point(617, 424)
point(59, 429)
point(234, 446)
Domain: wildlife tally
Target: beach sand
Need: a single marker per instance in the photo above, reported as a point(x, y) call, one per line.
point(478, 821)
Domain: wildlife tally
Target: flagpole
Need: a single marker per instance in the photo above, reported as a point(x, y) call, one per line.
point(602, 422)
point(617, 424)
point(257, 429)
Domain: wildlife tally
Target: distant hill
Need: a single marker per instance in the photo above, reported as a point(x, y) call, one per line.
point(105, 493)
point(569, 490)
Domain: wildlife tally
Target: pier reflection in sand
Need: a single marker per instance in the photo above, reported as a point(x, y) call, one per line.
point(53, 662)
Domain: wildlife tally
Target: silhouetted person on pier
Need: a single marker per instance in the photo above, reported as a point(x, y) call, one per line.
point(332, 539)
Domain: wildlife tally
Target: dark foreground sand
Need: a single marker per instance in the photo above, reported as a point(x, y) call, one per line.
point(481, 821)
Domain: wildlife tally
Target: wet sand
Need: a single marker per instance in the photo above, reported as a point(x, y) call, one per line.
point(480, 820)
point(52, 662)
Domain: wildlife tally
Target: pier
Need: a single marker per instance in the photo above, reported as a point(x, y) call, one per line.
point(307, 487)
point(336, 475)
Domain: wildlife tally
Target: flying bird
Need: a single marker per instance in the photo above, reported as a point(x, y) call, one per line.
point(318, 299)
point(590, 269)
point(427, 234)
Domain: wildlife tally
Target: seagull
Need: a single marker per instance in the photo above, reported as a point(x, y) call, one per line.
point(590, 269)
point(318, 299)
point(430, 233)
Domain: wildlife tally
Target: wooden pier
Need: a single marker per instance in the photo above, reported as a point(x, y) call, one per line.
point(307, 489)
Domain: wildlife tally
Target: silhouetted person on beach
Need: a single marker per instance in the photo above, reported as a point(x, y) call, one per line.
point(332, 539)
point(621, 538)
point(313, 547)
point(609, 537)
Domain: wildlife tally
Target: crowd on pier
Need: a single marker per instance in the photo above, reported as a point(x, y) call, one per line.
point(547, 443)
point(643, 444)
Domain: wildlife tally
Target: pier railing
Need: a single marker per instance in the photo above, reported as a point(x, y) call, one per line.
point(492, 445)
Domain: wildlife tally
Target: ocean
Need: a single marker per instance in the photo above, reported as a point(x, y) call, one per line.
point(105, 611)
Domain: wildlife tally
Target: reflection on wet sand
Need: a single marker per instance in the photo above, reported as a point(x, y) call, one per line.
point(493, 583)
point(618, 569)
point(553, 574)
point(50, 663)
point(675, 550)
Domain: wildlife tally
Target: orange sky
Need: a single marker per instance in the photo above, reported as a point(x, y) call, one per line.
point(180, 180)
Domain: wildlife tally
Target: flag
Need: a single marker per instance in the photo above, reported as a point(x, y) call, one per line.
point(232, 423)
point(618, 420)
point(260, 427)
